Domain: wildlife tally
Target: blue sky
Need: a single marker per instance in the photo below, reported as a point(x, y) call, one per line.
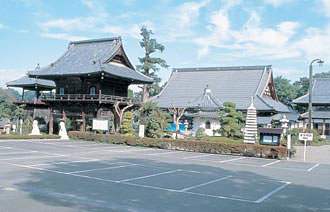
point(287, 34)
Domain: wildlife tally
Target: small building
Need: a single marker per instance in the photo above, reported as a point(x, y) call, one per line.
point(320, 106)
point(204, 111)
point(35, 108)
point(3, 123)
point(228, 84)
point(92, 79)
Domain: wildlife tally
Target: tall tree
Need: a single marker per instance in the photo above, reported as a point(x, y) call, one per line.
point(231, 121)
point(150, 65)
point(285, 91)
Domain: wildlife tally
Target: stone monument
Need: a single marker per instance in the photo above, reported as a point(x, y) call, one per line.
point(63, 133)
point(35, 128)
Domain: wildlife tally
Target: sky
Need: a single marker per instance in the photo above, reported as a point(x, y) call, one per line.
point(286, 34)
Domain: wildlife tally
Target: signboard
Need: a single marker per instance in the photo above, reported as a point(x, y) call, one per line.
point(101, 124)
point(141, 131)
point(306, 136)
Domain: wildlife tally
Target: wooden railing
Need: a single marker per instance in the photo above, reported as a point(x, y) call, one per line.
point(102, 98)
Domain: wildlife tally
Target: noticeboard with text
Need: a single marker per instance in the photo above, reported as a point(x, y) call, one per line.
point(306, 136)
point(101, 124)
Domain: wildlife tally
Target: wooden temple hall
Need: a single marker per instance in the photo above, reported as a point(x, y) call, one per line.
point(90, 80)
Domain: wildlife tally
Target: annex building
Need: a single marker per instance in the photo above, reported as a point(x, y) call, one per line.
point(203, 90)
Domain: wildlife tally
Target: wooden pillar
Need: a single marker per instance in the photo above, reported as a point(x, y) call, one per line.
point(23, 94)
point(304, 125)
point(51, 122)
point(63, 115)
point(323, 127)
point(83, 117)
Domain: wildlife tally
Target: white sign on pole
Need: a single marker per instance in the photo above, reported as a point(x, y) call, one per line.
point(100, 124)
point(306, 136)
point(141, 131)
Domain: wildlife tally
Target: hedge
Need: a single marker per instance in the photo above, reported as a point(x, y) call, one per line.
point(16, 137)
point(255, 150)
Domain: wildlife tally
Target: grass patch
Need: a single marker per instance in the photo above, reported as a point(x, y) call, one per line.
point(221, 139)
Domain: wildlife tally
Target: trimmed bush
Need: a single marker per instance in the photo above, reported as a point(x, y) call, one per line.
point(188, 145)
point(15, 137)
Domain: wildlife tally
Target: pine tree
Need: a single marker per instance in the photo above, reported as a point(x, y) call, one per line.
point(150, 65)
point(231, 121)
point(127, 125)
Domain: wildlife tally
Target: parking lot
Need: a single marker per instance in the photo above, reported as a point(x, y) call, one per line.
point(54, 175)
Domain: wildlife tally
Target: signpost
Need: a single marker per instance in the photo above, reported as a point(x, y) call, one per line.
point(103, 125)
point(305, 137)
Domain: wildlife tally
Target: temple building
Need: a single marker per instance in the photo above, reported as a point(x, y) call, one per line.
point(92, 79)
point(228, 84)
point(320, 106)
point(35, 108)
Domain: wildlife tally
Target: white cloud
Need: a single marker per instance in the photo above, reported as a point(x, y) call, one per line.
point(276, 3)
point(81, 23)
point(326, 7)
point(63, 36)
point(251, 40)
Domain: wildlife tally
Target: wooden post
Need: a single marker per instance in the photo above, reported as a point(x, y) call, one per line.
point(23, 94)
point(323, 127)
point(63, 115)
point(83, 117)
point(51, 122)
point(304, 126)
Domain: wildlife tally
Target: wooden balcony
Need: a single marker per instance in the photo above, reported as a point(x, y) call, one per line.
point(98, 98)
point(29, 102)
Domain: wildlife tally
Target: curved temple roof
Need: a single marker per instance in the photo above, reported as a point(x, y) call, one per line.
point(27, 82)
point(91, 57)
point(206, 101)
point(320, 92)
point(229, 84)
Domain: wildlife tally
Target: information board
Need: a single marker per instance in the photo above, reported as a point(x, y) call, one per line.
point(101, 124)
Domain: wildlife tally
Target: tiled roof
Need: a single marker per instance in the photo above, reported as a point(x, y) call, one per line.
point(88, 57)
point(31, 82)
point(228, 84)
point(320, 92)
point(317, 115)
point(206, 101)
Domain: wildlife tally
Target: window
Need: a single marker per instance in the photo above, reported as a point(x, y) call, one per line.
point(92, 90)
point(208, 125)
point(61, 91)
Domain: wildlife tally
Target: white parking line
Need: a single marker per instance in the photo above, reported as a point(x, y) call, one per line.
point(65, 162)
point(163, 153)
point(268, 164)
point(106, 168)
point(313, 167)
point(14, 153)
point(147, 176)
point(197, 156)
point(225, 161)
point(207, 183)
point(273, 192)
point(24, 158)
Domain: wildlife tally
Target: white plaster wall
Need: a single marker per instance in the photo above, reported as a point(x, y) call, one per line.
point(200, 123)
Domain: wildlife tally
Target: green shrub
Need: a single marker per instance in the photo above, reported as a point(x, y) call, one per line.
point(200, 133)
point(127, 125)
point(188, 145)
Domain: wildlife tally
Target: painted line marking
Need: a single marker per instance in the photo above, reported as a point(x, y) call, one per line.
point(313, 167)
point(268, 164)
point(273, 192)
point(99, 169)
point(225, 161)
point(13, 153)
point(133, 184)
point(163, 153)
point(197, 156)
point(55, 156)
point(242, 164)
point(207, 183)
point(147, 176)
point(65, 162)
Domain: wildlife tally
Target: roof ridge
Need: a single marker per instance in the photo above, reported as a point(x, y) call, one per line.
point(94, 40)
point(222, 68)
